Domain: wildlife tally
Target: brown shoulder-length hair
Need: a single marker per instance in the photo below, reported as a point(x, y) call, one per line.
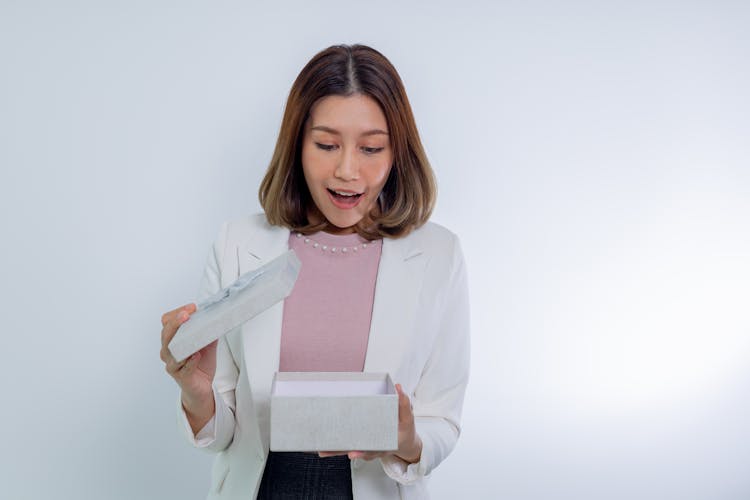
point(408, 196)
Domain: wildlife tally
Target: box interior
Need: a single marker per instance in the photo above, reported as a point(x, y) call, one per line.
point(291, 388)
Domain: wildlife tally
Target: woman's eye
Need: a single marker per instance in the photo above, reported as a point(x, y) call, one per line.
point(371, 151)
point(325, 147)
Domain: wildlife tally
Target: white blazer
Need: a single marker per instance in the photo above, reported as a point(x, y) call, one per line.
point(419, 335)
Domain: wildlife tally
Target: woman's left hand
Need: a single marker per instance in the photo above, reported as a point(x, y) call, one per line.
point(409, 443)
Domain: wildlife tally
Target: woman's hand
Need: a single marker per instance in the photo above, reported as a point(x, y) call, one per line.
point(194, 374)
point(409, 443)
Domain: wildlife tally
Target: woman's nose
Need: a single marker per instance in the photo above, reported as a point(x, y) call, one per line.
point(347, 168)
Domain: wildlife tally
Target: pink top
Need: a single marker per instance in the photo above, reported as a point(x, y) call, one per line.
point(327, 316)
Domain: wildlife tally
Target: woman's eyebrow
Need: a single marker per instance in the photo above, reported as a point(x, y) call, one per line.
point(330, 130)
point(376, 131)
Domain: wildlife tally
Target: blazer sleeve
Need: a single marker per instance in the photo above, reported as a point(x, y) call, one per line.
point(438, 397)
point(227, 372)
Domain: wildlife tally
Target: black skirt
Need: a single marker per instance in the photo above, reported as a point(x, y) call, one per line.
point(306, 476)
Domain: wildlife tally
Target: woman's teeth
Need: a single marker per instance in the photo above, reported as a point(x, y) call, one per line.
point(347, 195)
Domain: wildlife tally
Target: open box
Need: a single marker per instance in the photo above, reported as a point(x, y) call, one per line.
point(333, 411)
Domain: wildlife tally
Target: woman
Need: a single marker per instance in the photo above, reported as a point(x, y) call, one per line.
point(350, 189)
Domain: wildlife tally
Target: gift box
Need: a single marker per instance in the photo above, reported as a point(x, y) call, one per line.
point(251, 294)
point(333, 411)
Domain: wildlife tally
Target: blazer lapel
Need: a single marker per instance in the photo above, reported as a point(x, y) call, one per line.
point(262, 334)
point(400, 276)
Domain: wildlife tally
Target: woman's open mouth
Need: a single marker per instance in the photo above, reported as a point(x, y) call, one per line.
point(344, 199)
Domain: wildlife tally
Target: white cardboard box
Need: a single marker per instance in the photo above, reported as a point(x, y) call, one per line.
point(251, 294)
point(333, 411)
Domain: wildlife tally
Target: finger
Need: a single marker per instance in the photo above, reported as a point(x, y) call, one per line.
point(173, 324)
point(173, 367)
point(190, 364)
point(365, 455)
point(325, 454)
point(169, 329)
point(169, 314)
point(165, 354)
point(404, 405)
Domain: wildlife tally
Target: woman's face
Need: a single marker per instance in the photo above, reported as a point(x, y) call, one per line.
point(346, 157)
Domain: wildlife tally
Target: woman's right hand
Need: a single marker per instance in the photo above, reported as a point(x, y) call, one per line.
point(194, 374)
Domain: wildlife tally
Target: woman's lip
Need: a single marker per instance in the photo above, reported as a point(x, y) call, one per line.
point(345, 205)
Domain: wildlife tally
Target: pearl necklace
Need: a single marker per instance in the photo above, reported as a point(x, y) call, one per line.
point(326, 248)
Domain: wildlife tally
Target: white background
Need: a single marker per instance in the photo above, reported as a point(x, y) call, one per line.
point(592, 156)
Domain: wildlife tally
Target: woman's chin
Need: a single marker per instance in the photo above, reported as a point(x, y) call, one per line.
point(339, 221)
point(334, 228)
point(342, 223)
